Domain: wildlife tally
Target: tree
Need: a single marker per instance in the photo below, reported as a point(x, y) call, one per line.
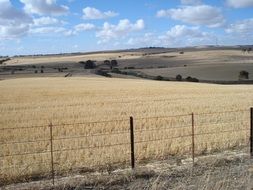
point(82, 62)
point(243, 75)
point(114, 63)
point(192, 79)
point(158, 77)
point(179, 78)
point(107, 62)
point(90, 65)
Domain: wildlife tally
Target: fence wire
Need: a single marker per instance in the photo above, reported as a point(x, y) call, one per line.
point(99, 143)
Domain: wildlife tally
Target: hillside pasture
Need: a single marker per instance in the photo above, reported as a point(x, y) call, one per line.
point(207, 64)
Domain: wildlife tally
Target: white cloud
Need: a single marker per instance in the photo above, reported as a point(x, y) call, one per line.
point(84, 27)
point(47, 30)
point(179, 31)
point(122, 29)
point(179, 35)
point(13, 23)
point(61, 31)
point(93, 13)
point(47, 21)
point(42, 7)
point(197, 15)
point(191, 2)
point(242, 28)
point(148, 39)
point(184, 35)
point(240, 3)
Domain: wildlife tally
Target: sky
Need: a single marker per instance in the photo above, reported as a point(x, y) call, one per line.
point(64, 26)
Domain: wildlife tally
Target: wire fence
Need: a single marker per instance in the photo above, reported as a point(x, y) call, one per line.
point(54, 149)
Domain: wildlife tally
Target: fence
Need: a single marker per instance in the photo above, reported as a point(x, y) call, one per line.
point(57, 149)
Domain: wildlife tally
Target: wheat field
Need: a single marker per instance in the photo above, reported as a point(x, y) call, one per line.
point(90, 118)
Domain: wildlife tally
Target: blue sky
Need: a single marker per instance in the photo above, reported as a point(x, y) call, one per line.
point(59, 26)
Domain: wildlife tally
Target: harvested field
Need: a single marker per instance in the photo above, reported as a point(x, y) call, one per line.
point(82, 108)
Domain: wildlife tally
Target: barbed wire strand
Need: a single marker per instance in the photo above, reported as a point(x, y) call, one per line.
point(161, 139)
point(27, 165)
point(90, 136)
point(162, 128)
point(223, 122)
point(226, 131)
point(26, 153)
point(91, 147)
point(24, 142)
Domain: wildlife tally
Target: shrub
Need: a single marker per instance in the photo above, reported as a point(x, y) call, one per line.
point(129, 67)
point(191, 79)
point(243, 75)
point(107, 62)
point(90, 65)
point(181, 52)
point(179, 78)
point(114, 63)
point(82, 62)
point(132, 73)
point(124, 73)
point(103, 73)
point(159, 78)
point(4, 60)
point(116, 70)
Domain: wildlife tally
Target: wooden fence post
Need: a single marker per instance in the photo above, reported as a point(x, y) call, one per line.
point(251, 132)
point(132, 142)
point(193, 139)
point(51, 150)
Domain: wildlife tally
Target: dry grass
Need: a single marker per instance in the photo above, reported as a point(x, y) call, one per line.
point(210, 57)
point(202, 57)
point(228, 170)
point(37, 102)
point(73, 58)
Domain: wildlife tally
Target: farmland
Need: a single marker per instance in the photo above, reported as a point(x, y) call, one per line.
point(207, 64)
point(126, 95)
point(92, 105)
point(52, 106)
